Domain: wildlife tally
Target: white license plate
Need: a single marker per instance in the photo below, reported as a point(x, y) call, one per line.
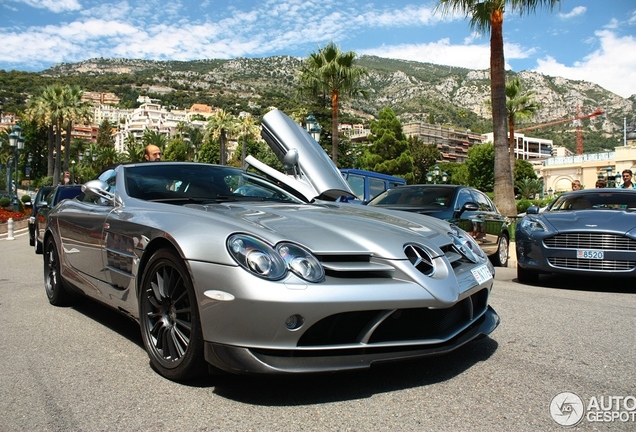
point(482, 274)
point(590, 254)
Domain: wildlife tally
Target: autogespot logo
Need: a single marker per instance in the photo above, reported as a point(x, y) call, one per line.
point(567, 409)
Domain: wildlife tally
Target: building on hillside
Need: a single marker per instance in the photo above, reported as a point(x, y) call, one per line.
point(452, 143)
point(100, 98)
point(528, 148)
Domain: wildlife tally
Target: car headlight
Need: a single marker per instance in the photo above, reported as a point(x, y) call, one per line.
point(466, 245)
point(263, 260)
point(531, 224)
point(301, 262)
point(256, 256)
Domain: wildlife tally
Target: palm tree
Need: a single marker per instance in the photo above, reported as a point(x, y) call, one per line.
point(246, 129)
point(488, 16)
point(518, 106)
point(134, 149)
point(53, 102)
point(332, 72)
point(76, 111)
point(154, 137)
point(220, 125)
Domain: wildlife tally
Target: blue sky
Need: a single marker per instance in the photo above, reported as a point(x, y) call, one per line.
point(591, 40)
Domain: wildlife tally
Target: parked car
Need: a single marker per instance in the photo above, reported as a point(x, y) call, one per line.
point(38, 199)
point(285, 282)
point(586, 232)
point(466, 207)
point(54, 196)
point(368, 184)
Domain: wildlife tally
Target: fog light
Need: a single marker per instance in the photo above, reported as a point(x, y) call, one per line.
point(294, 322)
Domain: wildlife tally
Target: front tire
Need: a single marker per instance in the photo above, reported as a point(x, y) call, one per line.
point(169, 318)
point(54, 286)
point(500, 259)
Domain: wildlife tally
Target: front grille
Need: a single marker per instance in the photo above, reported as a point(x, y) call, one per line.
point(384, 326)
point(590, 241)
point(588, 264)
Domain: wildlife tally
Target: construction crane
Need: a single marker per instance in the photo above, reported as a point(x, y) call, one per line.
point(575, 120)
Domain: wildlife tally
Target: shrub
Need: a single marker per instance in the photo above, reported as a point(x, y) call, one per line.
point(5, 202)
point(522, 205)
point(26, 198)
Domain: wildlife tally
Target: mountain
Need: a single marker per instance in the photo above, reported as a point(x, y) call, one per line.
point(415, 91)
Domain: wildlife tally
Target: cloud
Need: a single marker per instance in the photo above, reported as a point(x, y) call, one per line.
point(609, 66)
point(442, 52)
point(55, 6)
point(577, 11)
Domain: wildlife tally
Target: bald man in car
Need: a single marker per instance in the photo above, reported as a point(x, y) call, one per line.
point(152, 153)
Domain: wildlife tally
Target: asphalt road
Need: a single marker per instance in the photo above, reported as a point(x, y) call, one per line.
point(83, 368)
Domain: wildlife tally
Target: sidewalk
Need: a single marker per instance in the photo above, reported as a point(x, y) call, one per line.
point(512, 255)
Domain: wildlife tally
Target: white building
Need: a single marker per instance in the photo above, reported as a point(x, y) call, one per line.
point(528, 148)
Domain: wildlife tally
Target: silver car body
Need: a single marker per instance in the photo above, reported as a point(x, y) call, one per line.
point(396, 285)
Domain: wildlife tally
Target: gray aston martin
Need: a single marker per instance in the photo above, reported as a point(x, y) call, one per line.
point(587, 232)
point(226, 269)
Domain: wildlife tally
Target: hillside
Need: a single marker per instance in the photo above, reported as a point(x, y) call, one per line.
point(415, 91)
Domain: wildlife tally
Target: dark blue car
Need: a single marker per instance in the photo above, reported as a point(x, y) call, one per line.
point(587, 232)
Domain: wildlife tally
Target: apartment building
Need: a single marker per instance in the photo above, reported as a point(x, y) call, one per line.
point(452, 143)
point(528, 148)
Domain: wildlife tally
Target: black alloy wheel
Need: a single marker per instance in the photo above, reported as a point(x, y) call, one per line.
point(169, 318)
point(56, 292)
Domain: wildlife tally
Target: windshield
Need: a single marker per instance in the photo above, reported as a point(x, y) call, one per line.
point(414, 196)
point(595, 200)
point(200, 183)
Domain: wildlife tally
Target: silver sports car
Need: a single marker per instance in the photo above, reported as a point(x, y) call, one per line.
point(587, 232)
point(277, 278)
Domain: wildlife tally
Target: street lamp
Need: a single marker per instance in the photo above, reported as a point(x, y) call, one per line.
point(73, 171)
point(16, 142)
point(313, 127)
point(435, 174)
point(612, 180)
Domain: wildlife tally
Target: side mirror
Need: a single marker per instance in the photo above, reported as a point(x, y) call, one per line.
point(97, 188)
point(469, 206)
point(532, 210)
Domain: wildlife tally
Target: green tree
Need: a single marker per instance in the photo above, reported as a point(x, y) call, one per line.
point(134, 149)
point(154, 137)
point(220, 126)
point(334, 73)
point(389, 150)
point(481, 167)
point(524, 169)
point(177, 150)
point(246, 129)
point(528, 187)
point(488, 16)
point(105, 138)
point(424, 157)
point(519, 105)
point(75, 111)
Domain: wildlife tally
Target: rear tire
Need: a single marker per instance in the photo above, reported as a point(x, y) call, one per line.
point(500, 259)
point(169, 318)
point(54, 285)
point(527, 276)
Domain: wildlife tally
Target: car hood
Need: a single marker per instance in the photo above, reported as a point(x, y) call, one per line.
point(328, 227)
point(582, 220)
point(308, 169)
